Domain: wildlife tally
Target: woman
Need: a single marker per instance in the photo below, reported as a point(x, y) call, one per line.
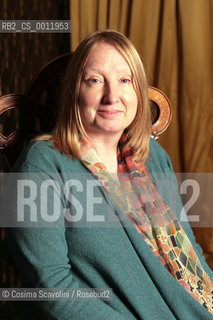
point(116, 224)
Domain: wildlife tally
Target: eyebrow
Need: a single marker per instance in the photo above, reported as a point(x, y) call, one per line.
point(88, 69)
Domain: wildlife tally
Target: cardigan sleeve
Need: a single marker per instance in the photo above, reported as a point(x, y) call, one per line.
point(41, 255)
point(160, 167)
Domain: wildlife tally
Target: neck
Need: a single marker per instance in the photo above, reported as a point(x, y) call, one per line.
point(106, 148)
point(105, 144)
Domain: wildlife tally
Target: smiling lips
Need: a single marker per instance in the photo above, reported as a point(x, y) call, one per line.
point(109, 113)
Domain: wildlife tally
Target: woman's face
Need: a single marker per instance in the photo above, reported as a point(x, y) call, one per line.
point(108, 101)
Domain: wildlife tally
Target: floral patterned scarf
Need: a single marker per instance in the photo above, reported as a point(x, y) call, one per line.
point(139, 200)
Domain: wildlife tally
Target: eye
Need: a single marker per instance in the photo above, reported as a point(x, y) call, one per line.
point(126, 80)
point(94, 81)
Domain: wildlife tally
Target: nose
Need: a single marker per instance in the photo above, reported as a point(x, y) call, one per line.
point(111, 95)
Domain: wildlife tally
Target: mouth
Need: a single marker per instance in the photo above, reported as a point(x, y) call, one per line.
point(109, 113)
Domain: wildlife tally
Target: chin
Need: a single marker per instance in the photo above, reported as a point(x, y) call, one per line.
point(112, 130)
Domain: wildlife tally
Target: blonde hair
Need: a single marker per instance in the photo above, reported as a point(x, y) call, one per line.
point(69, 126)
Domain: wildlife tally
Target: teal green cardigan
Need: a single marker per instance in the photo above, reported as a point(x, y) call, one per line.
point(107, 254)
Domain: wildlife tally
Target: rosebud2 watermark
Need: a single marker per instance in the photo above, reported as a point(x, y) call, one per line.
point(52, 186)
point(46, 294)
point(79, 200)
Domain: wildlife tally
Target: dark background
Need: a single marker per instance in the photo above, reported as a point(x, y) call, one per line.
point(22, 55)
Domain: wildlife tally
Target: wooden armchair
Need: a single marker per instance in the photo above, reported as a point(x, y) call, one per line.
point(35, 111)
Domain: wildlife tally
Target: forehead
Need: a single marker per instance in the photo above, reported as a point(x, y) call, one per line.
point(105, 55)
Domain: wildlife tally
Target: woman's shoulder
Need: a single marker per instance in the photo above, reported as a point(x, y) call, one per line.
point(158, 160)
point(35, 149)
point(34, 155)
point(42, 156)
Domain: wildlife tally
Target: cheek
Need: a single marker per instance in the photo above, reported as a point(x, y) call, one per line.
point(82, 98)
point(132, 100)
point(132, 106)
point(86, 103)
point(88, 100)
point(135, 101)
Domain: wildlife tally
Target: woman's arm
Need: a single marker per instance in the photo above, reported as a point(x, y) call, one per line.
point(41, 254)
point(160, 167)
